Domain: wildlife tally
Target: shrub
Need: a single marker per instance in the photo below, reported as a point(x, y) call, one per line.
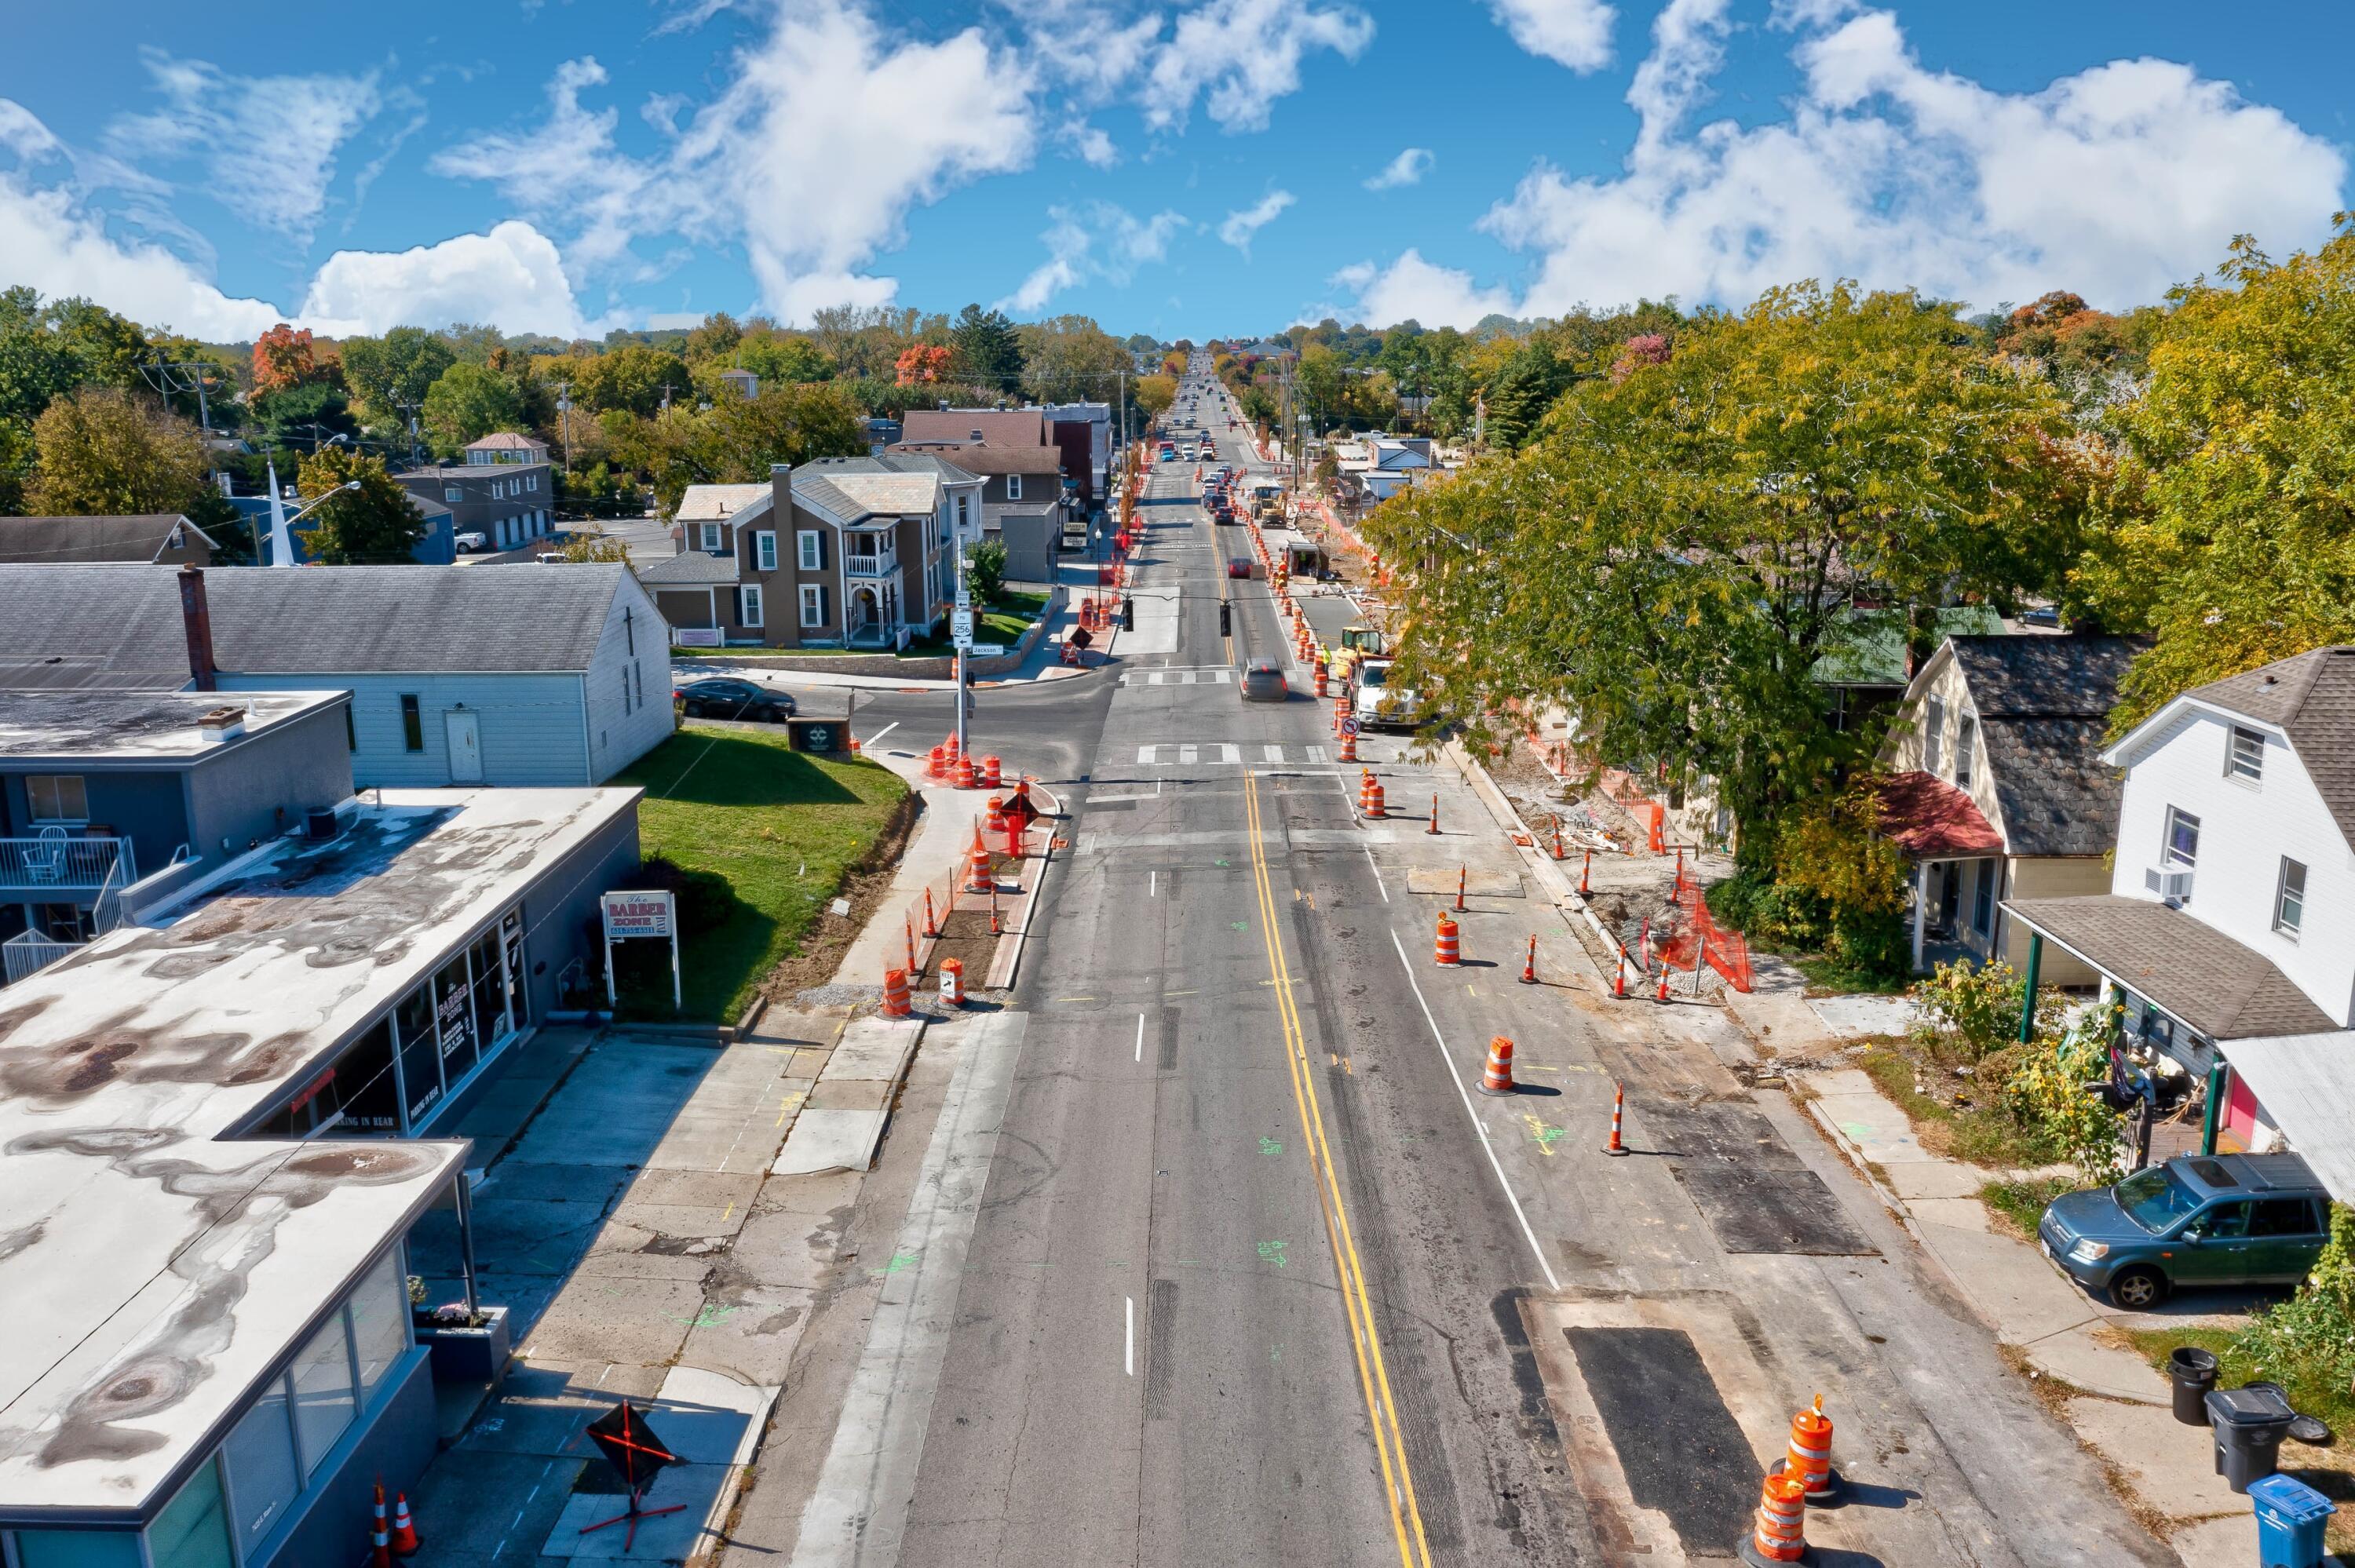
point(704, 897)
point(1976, 1009)
point(2044, 1091)
point(2312, 1334)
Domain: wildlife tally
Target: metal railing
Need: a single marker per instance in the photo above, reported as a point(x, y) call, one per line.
point(55, 863)
point(28, 952)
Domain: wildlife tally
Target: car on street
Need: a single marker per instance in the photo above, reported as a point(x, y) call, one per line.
point(2195, 1220)
point(1380, 704)
point(720, 696)
point(1239, 566)
point(468, 542)
point(1262, 682)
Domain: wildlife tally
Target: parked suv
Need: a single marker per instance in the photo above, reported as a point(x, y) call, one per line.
point(2198, 1218)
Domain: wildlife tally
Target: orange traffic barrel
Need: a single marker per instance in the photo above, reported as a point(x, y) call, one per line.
point(993, 820)
point(896, 1000)
point(1498, 1078)
point(990, 772)
point(964, 774)
point(1810, 1458)
point(979, 878)
point(1448, 950)
point(1781, 1535)
point(951, 982)
point(1370, 799)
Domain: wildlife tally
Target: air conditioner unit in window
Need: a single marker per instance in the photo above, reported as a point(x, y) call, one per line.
point(2172, 882)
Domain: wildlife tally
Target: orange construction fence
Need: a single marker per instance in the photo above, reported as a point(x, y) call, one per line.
point(1724, 949)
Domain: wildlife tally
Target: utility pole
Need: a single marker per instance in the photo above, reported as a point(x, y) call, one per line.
point(564, 423)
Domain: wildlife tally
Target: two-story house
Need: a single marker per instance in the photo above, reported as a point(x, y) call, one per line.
point(505, 490)
point(2228, 932)
point(1995, 787)
point(1026, 498)
point(855, 553)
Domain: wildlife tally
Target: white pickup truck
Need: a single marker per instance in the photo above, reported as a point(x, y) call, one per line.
point(1378, 704)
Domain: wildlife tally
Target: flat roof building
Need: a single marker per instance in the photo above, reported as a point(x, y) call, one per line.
point(215, 1138)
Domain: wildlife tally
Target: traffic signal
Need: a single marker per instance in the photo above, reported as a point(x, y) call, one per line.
point(1226, 619)
point(1128, 614)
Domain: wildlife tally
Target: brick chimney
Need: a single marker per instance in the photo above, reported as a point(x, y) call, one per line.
point(197, 617)
point(781, 499)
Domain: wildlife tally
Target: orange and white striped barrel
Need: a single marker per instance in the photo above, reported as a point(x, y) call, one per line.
point(993, 816)
point(1782, 1532)
point(1811, 1450)
point(897, 1003)
point(978, 877)
point(965, 775)
point(1348, 746)
point(990, 774)
point(1371, 801)
point(1497, 1079)
point(1447, 951)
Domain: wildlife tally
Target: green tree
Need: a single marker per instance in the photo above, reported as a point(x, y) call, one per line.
point(2234, 498)
point(634, 377)
point(715, 339)
point(736, 439)
point(230, 530)
point(784, 359)
point(1672, 556)
point(468, 401)
point(375, 524)
point(389, 375)
point(105, 453)
point(1068, 359)
point(984, 569)
point(988, 349)
point(305, 415)
point(1154, 395)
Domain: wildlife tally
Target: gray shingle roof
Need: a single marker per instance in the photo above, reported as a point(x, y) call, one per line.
point(1010, 427)
point(691, 568)
point(2312, 698)
point(50, 541)
point(311, 620)
point(2219, 987)
point(2044, 704)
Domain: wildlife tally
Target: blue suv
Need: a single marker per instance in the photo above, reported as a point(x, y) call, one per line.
point(2221, 1219)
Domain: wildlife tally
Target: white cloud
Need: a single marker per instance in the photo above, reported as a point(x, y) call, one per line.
point(1240, 226)
point(1574, 33)
point(2116, 182)
point(810, 158)
point(1407, 169)
point(1411, 289)
point(1239, 56)
point(511, 276)
point(1101, 241)
point(60, 248)
point(1093, 146)
point(267, 145)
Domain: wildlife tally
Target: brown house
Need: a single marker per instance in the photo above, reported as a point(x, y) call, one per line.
point(1025, 500)
point(839, 553)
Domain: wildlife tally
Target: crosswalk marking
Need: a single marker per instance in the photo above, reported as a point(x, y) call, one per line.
point(1223, 754)
point(1272, 753)
point(1218, 675)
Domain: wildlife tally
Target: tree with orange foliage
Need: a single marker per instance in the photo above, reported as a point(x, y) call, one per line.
point(922, 365)
point(285, 358)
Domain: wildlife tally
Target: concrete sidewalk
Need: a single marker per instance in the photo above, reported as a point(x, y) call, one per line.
point(2117, 1406)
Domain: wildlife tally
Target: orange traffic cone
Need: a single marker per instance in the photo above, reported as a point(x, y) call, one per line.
point(1585, 872)
point(1460, 875)
point(379, 1542)
point(932, 926)
point(1530, 965)
point(404, 1529)
point(1498, 1078)
point(1435, 821)
point(1448, 952)
point(1618, 1117)
point(1664, 981)
point(1619, 976)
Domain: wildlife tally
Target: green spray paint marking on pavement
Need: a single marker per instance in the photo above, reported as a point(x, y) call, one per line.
point(709, 1317)
point(1544, 1134)
point(1275, 1354)
point(1272, 1252)
point(1241, 925)
point(899, 1260)
point(1270, 1146)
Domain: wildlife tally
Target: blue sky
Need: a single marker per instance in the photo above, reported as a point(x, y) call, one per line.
point(1199, 167)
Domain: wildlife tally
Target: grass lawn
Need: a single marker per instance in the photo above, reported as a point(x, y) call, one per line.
point(1002, 620)
point(781, 826)
point(1830, 976)
point(2023, 1202)
point(1980, 1133)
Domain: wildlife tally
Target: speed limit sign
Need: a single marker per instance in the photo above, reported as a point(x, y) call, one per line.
point(1349, 724)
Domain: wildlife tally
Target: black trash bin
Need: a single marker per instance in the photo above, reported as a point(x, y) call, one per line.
point(2194, 1371)
point(2250, 1423)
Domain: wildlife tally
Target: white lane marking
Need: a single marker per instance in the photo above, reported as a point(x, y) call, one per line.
point(1144, 755)
point(1140, 1037)
point(1466, 1095)
point(1185, 754)
point(1378, 872)
point(1128, 1355)
point(1272, 753)
point(1152, 883)
point(880, 734)
point(1317, 754)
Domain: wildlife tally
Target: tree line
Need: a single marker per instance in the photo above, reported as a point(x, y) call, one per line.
point(98, 415)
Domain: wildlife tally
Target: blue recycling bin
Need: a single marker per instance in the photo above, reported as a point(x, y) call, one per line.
point(2291, 1517)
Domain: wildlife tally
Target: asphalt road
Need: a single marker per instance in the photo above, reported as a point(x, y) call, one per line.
point(1219, 1306)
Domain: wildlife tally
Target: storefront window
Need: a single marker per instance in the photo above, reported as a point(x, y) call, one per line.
point(490, 997)
point(511, 941)
point(454, 1013)
point(78, 1549)
point(364, 1081)
point(379, 1322)
point(421, 1057)
point(193, 1529)
point(263, 1477)
point(323, 1392)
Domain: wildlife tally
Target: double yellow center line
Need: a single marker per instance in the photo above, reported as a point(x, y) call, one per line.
point(1390, 1442)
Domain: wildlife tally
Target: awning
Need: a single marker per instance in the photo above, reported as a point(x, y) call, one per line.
point(1930, 819)
point(2306, 1084)
point(2222, 989)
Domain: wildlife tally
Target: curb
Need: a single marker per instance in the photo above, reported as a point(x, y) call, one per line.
point(1003, 969)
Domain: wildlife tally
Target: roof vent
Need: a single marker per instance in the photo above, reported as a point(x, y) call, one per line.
point(2271, 680)
point(320, 824)
point(218, 724)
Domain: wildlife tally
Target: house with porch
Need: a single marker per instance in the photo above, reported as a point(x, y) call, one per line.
point(1995, 788)
point(843, 553)
point(2226, 937)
